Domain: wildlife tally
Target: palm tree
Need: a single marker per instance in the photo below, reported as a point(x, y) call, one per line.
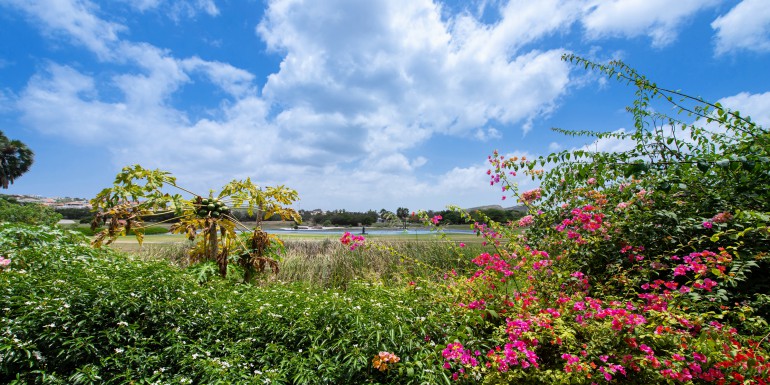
point(403, 214)
point(15, 159)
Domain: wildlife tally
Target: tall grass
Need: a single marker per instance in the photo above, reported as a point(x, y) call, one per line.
point(327, 263)
point(176, 252)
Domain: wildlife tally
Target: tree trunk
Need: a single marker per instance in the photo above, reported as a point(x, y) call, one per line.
point(214, 250)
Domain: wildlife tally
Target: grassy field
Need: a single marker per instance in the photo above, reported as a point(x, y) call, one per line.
point(320, 260)
point(129, 243)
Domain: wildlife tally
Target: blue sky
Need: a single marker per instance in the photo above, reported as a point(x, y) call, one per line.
point(355, 104)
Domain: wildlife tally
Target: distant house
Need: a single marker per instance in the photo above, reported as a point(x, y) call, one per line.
point(76, 205)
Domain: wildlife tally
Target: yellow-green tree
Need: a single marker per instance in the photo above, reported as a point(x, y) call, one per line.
point(138, 194)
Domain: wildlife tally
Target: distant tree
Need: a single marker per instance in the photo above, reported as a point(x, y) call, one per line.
point(385, 214)
point(15, 159)
point(403, 214)
point(31, 214)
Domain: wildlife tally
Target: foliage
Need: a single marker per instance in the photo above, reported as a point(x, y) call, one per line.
point(137, 193)
point(15, 159)
point(682, 187)
point(640, 266)
point(32, 214)
point(341, 217)
point(71, 314)
point(403, 214)
point(76, 214)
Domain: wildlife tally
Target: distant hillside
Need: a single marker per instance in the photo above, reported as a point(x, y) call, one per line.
point(498, 207)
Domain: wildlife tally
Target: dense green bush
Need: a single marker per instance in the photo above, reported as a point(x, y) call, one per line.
point(644, 266)
point(71, 314)
point(83, 215)
point(31, 214)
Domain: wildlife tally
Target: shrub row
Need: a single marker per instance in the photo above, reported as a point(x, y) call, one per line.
point(71, 314)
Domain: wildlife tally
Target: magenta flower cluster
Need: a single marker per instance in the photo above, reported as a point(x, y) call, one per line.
point(353, 241)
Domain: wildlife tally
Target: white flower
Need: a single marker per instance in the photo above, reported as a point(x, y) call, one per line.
point(118, 350)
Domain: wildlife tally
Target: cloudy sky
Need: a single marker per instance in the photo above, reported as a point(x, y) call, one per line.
point(356, 104)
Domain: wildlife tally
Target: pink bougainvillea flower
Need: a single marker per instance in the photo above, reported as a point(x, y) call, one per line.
point(722, 217)
point(531, 195)
point(526, 221)
point(353, 241)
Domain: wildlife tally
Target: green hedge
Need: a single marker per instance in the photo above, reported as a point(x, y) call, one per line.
point(71, 314)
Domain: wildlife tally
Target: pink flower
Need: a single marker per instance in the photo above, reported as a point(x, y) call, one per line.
point(354, 241)
point(526, 221)
point(591, 181)
point(4, 261)
point(571, 360)
point(462, 244)
point(722, 217)
point(531, 195)
point(436, 219)
point(707, 224)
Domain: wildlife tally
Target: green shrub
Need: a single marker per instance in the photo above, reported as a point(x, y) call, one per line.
point(31, 214)
point(636, 267)
point(73, 314)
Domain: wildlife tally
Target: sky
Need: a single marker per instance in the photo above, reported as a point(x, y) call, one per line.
point(357, 105)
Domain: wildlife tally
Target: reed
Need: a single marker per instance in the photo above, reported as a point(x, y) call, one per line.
point(327, 263)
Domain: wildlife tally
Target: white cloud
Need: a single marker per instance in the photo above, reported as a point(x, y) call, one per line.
point(391, 59)
point(76, 20)
point(610, 144)
point(191, 9)
point(658, 19)
point(745, 27)
point(64, 102)
point(757, 106)
point(358, 89)
point(176, 8)
point(553, 146)
point(234, 81)
point(521, 22)
point(490, 133)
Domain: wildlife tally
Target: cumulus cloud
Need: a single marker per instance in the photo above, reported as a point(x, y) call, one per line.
point(74, 20)
point(490, 133)
point(658, 19)
point(755, 105)
point(745, 27)
point(380, 65)
point(361, 85)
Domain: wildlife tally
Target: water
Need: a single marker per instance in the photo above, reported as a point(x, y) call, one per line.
point(369, 232)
